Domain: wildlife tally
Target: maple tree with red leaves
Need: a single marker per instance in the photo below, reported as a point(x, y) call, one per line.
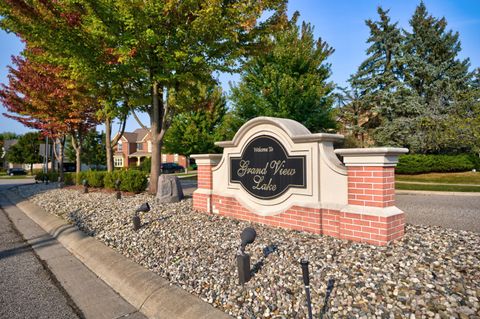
point(40, 96)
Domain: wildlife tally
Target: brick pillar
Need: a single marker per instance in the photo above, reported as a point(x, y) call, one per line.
point(202, 197)
point(371, 215)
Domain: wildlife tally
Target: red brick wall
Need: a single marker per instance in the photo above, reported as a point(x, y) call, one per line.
point(367, 186)
point(371, 186)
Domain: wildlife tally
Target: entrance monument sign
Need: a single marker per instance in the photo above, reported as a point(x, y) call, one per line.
point(276, 172)
point(265, 170)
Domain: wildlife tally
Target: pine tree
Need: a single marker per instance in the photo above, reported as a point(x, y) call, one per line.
point(433, 80)
point(416, 84)
point(289, 80)
point(377, 77)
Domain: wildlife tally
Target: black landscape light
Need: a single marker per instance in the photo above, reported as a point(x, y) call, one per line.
point(136, 218)
point(306, 283)
point(247, 237)
point(85, 186)
point(117, 188)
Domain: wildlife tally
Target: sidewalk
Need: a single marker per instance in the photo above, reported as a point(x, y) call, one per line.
point(103, 283)
point(90, 294)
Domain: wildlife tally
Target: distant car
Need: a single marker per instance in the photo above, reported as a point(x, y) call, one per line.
point(168, 168)
point(16, 171)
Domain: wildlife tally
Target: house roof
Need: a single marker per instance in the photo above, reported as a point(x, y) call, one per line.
point(141, 133)
point(136, 136)
point(130, 137)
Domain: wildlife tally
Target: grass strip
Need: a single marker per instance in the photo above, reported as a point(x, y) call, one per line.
point(438, 188)
point(448, 178)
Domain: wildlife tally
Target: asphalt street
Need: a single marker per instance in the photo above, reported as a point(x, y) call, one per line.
point(27, 288)
point(450, 211)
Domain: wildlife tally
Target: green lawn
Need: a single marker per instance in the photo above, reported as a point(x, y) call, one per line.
point(15, 176)
point(447, 181)
point(438, 188)
point(442, 178)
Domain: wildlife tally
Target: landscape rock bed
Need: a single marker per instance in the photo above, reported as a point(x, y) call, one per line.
point(432, 272)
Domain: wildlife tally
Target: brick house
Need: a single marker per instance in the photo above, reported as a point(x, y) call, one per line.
point(134, 147)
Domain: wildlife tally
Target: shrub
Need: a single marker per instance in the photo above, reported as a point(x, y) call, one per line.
point(110, 178)
point(145, 165)
point(69, 178)
point(95, 178)
point(36, 171)
point(80, 177)
point(133, 181)
point(51, 176)
point(418, 164)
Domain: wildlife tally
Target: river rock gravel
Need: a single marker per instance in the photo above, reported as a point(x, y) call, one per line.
point(432, 272)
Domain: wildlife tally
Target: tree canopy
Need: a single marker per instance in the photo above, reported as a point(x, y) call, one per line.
point(288, 79)
point(416, 85)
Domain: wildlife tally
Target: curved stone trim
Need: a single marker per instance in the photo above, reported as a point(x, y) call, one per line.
point(331, 159)
point(297, 132)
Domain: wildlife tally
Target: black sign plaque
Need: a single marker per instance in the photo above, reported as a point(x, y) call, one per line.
point(265, 170)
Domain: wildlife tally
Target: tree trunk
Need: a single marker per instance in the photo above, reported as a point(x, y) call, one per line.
point(77, 145)
point(61, 158)
point(60, 155)
point(156, 127)
point(108, 144)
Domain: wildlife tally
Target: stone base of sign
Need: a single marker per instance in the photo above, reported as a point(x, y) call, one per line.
point(343, 193)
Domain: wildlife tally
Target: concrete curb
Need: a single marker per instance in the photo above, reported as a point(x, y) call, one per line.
point(149, 293)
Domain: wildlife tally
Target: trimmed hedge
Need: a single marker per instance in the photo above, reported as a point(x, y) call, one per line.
point(133, 181)
point(69, 178)
point(418, 163)
point(130, 181)
point(51, 176)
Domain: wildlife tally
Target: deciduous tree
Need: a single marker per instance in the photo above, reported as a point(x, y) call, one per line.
point(26, 150)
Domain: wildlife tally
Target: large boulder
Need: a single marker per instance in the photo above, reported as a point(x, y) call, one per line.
point(169, 189)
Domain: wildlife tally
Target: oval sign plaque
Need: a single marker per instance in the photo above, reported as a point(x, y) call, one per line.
point(265, 170)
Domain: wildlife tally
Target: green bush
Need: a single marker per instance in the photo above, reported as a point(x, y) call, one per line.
point(51, 176)
point(133, 181)
point(80, 177)
point(111, 177)
point(418, 164)
point(145, 165)
point(36, 171)
point(95, 178)
point(69, 178)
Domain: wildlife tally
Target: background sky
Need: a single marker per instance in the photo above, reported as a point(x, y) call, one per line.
point(341, 23)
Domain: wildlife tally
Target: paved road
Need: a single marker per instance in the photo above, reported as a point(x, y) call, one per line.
point(27, 289)
point(451, 211)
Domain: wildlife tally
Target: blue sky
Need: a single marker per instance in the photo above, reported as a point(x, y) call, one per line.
point(340, 23)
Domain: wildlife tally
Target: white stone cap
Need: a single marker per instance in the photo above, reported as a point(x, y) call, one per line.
point(296, 131)
point(207, 159)
point(379, 156)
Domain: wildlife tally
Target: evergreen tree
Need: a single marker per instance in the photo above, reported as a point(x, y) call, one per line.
point(417, 84)
point(289, 79)
point(434, 79)
point(376, 80)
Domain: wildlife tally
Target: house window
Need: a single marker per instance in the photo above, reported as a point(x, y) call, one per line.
point(118, 161)
point(164, 158)
point(119, 146)
point(139, 146)
point(149, 145)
